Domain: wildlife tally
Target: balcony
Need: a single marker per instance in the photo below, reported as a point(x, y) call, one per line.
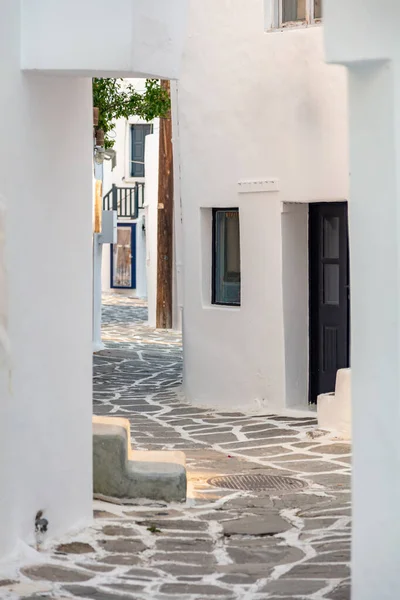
point(125, 200)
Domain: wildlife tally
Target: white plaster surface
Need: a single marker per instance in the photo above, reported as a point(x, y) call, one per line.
point(46, 197)
point(295, 302)
point(254, 106)
point(45, 377)
point(151, 219)
point(374, 87)
point(334, 410)
point(144, 37)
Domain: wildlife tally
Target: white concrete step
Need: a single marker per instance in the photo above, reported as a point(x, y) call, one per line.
point(124, 474)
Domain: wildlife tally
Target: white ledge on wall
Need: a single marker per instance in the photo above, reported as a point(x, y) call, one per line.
point(254, 186)
point(122, 38)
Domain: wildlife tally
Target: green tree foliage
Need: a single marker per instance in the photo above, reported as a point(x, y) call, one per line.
point(115, 99)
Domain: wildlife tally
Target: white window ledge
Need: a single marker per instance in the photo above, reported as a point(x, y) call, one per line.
point(294, 26)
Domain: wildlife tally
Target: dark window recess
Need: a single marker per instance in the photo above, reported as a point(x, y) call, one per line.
point(138, 140)
point(226, 257)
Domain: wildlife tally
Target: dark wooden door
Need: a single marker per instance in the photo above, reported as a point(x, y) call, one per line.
point(329, 295)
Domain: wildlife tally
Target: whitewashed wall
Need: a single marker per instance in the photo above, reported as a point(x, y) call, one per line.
point(46, 195)
point(151, 219)
point(371, 51)
point(254, 105)
point(45, 371)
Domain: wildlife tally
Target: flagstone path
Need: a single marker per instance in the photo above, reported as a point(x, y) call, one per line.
point(222, 543)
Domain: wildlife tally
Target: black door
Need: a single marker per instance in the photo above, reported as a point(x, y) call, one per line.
point(329, 295)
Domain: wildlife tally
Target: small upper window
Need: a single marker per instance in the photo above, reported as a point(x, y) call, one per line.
point(295, 12)
point(317, 9)
point(226, 257)
point(138, 140)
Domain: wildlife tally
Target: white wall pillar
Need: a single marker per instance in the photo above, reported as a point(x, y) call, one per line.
point(141, 279)
point(362, 34)
point(178, 215)
point(47, 373)
point(46, 193)
point(151, 216)
point(97, 292)
point(375, 279)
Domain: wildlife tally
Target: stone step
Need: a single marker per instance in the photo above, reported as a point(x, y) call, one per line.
point(124, 474)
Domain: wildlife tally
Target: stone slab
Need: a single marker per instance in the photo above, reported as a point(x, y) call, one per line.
point(121, 560)
point(95, 568)
point(187, 569)
point(118, 530)
point(332, 449)
point(270, 525)
point(93, 593)
point(294, 587)
point(257, 569)
point(313, 571)
point(75, 548)
point(204, 590)
point(178, 524)
point(189, 545)
point(190, 558)
point(56, 573)
point(123, 546)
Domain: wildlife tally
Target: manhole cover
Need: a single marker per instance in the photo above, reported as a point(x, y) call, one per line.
point(257, 482)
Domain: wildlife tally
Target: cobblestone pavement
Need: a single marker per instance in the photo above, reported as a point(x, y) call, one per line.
point(223, 543)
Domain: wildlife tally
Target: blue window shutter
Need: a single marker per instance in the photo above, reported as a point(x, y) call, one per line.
point(138, 138)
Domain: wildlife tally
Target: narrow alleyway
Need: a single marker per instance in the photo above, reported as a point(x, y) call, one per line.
point(290, 543)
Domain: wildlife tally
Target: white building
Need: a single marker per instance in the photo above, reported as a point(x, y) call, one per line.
point(262, 111)
point(134, 139)
point(49, 50)
point(371, 52)
point(262, 124)
point(136, 171)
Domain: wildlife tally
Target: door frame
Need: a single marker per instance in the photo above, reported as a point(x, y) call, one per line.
point(314, 276)
point(132, 227)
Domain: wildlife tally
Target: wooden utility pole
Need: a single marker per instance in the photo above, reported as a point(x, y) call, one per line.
point(165, 222)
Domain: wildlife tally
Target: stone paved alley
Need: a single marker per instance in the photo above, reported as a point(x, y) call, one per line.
point(222, 543)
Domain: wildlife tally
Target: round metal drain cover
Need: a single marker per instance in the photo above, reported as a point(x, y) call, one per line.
point(257, 483)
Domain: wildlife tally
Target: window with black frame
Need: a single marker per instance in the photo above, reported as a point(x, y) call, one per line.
point(226, 257)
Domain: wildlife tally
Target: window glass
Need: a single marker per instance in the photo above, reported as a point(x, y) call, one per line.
point(331, 237)
point(293, 10)
point(138, 140)
point(317, 9)
point(226, 253)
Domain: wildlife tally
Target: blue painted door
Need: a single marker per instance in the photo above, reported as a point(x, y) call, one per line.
point(123, 258)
